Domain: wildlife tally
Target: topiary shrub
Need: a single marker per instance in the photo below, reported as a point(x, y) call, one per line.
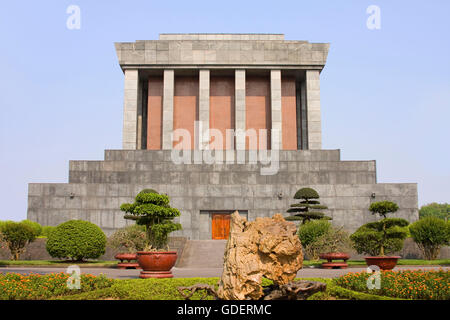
point(381, 237)
point(129, 239)
point(36, 227)
point(16, 236)
point(430, 234)
point(302, 211)
point(153, 211)
point(76, 240)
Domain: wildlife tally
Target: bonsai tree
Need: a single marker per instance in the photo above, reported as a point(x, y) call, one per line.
point(153, 211)
point(131, 239)
point(15, 236)
point(308, 201)
point(430, 234)
point(384, 236)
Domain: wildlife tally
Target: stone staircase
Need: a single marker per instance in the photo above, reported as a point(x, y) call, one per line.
point(202, 254)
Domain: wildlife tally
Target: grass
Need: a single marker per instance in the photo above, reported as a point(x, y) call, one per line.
point(57, 263)
point(401, 262)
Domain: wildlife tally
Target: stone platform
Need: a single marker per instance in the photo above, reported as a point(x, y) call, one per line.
point(97, 188)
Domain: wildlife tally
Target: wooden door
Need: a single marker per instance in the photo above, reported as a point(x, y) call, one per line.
point(220, 226)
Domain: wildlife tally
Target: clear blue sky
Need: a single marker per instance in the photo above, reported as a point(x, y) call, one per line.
point(385, 93)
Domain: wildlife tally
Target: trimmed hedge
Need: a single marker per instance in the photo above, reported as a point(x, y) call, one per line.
point(76, 240)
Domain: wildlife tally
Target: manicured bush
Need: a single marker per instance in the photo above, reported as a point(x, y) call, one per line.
point(381, 237)
point(153, 211)
point(46, 230)
point(308, 201)
point(16, 236)
point(76, 240)
point(430, 234)
point(384, 236)
point(406, 284)
point(129, 239)
point(14, 286)
point(36, 227)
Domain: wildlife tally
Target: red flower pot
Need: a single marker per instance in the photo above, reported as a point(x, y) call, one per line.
point(334, 256)
point(156, 264)
point(384, 263)
point(128, 257)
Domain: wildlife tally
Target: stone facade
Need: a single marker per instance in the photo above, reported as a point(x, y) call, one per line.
point(97, 188)
point(263, 81)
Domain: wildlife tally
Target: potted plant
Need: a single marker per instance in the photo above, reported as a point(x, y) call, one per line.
point(301, 210)
point(128, 241)
point(333, 245)
point(381, 237)
point(153, 211)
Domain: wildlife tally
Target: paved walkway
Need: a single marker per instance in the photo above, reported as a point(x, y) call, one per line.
point(203, 272)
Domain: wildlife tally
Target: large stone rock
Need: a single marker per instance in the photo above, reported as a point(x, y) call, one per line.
point(266, 247)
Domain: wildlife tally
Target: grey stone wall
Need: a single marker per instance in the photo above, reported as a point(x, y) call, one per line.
point(218, 51)
point(97, 188)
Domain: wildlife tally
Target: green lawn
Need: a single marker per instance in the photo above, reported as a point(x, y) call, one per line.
point(57, 263)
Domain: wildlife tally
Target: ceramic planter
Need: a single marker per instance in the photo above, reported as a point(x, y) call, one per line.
point(156, 264)
point(334, 256)
point(384, 263)
point(127, 257)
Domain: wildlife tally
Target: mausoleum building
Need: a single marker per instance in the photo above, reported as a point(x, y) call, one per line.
point(219, 122)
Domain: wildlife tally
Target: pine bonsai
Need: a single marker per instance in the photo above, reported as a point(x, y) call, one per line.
point(154, 212)
point(309, 201)
point(384, 236)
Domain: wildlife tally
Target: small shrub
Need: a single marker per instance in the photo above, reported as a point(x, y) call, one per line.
point(384, 236)
point(333, 241)
point(76, 240)
point(430, 234)
point(381, 237)
point(16, 236)
point(129, 239)
point(312, 230)
point(36, 227)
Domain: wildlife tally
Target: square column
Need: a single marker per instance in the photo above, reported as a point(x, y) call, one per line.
point(130, 107)
point(275, 102)
point(167, 122)
point(239, 87)
point(203, 105)
point(313, 109)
